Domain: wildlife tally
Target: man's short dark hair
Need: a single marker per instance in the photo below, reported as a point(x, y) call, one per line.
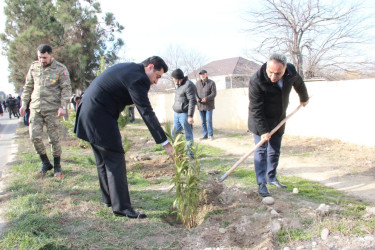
point(43, 48)
point(157, 62)
point(279, 58)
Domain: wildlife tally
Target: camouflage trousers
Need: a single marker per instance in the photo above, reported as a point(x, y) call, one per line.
point(52, 122)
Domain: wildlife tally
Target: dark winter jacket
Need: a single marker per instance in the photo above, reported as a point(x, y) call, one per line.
point(184, 100)
point(11, 101)
point(97, 114)
point(268, 103)
point(206, 90)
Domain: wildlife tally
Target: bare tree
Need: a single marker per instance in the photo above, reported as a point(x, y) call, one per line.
point(188, 60)
point(172, 56)
point(192, 61)
point(314, 35)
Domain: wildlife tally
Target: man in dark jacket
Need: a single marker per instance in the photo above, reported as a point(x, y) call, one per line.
point(206, 93)
point(269, 91)
point(5, 106)
point(1, 110)
point(12, 106)
point(96, 121)
point(184, 106)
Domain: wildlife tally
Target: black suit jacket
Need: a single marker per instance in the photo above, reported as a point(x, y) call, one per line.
point(120, 85)
point(268, 103)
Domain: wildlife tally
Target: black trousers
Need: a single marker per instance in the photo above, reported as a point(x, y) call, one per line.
point(112, 177)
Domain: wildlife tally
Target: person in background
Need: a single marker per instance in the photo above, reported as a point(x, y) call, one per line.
point(73, 102)
point(5, 106)
point(77, 100)
point(18, 105)
point(131, 113)
point(269, 91)
point(206, 93)
point(11, 103)
point(1, 111)
point(183, 107)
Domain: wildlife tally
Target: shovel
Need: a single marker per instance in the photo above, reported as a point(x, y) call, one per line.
point(224, 176)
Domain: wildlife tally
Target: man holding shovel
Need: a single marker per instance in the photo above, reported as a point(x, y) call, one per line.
point(269, 91)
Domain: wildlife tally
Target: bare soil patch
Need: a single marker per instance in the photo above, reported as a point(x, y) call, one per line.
point(154, 167)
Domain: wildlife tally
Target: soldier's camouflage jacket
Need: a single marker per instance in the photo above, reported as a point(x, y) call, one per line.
point(48, 88)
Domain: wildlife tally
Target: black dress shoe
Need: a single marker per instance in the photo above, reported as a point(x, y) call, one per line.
point(277, 184)
point(107, 204)
point(130, 213)
point(263, 190)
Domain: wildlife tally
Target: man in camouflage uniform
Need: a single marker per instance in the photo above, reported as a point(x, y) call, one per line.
point(48, 89)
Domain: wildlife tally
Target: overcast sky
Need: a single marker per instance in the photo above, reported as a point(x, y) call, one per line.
point(213, 28)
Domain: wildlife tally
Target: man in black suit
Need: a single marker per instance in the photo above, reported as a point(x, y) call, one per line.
point(96, 121)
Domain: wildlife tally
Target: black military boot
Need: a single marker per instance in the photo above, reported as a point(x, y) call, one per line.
point(57, 167)
point(46, 165)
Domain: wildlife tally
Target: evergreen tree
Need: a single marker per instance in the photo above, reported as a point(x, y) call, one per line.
point(75, 29)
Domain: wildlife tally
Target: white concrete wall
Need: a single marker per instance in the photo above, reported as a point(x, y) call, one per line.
point(342, 110)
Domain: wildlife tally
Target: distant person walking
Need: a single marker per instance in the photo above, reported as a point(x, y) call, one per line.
point(131, 113)
point(269, 91)
point(18, 105)
point(1, 111)
point(5, 106)
point(11, 103)
point(47, 89)
point(206, 93)
point(184, 107)
point(96, 122)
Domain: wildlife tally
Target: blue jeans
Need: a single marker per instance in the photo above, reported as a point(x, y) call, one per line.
point(180, 121)
point(266, 159)
point(206, 117)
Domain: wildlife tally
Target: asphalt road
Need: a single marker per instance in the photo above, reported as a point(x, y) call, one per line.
point(7, 151)
point(7, 129)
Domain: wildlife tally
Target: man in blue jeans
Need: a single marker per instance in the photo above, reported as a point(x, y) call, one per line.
point(184, 106)
point(269, 91)
point(206, 93)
